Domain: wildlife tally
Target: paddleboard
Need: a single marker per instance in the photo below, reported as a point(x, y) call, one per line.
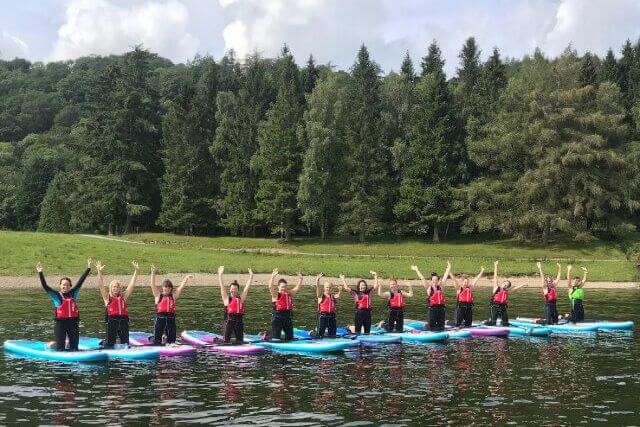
point(142, 339)
point(421, 337)
point(213, 342)
point(39, 350)
point(327, 345)
point(127, 353)
point(567, 328)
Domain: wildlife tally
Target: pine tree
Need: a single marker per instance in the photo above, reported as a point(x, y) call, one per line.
point(365, 193)
point(436, 160)
point(588, 70)
point(468, 76)
point(609, 68)
point(406, 69)
point(433, 61)
point(279, 158)
point(310, 75)
point(54, 212)
point(322, 171)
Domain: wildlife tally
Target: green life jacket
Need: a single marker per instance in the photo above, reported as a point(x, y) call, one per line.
point(577, 293)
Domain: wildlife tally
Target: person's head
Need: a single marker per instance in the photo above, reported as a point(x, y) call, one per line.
point(234, 288)
point(167, 287)
point(282, 285)
point(328, 286)
point(393, 284)
point(435, 279)
point(576, 281)
point(506, 285)
point(548, 280)
point(362, 285)
point(65, 284)
point(465, 281)
point(115, 288)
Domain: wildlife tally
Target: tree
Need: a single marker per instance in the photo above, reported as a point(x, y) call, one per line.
point(54, 212)
point(436, 161)
point(310, 75)
point(609, 68)
point(322, 170)
point(406, 68)
point(588, 70)
point(365, 194)
point(433, 61)
point(279, 157)
point(468, 76)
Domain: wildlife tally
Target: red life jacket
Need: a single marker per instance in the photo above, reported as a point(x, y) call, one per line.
point(235, 306)
point(551, 295)
point(501, 297)
point(328, 305)
point(68, 309)
point(284, 302)
point(363, 301)
point(465, 295)
point(397, 300)
point(166, 305)
point(437, 298)
point(117, 306)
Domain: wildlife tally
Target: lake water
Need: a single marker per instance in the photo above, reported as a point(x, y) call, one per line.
point(557, 380)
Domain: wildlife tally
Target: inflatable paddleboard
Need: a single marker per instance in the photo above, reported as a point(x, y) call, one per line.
point(536, 331)
point(378, 339)
point(567, 328)
point(213, 342)
point(125, 353)
point(328, 345)
point(458, 334)
point(39, 350)
point(142, 339)
point(421, 337)
point(603, 325)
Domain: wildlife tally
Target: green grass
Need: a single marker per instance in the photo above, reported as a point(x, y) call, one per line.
point(63, 253)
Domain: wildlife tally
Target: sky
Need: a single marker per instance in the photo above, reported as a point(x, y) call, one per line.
point(331, 30)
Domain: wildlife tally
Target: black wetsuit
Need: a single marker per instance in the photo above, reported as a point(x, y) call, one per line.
point(437, 313)
point(362, 318)
point(165, 324)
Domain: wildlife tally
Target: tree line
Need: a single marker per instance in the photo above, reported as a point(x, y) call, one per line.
point(529, 148)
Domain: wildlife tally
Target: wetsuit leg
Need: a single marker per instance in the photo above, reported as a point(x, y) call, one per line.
point(459, 317)
point(112, 332)
point(366, 321)
point(466, 314)
point(332, 327)
point(391, 320)
point(158, 329)
point(60, 333)
point(239, 330)
point(228, 329)
point(579, 310)
point(494, 314)
point(288, 326)
point(432, 318)
point(400, 321)
point(170, 329)
point(554, 313)
point(73, 331)
point(277, 326)
point(358, 321)
point(504, 315)
point(322, 324)
point(123, 330)
point(440, 317)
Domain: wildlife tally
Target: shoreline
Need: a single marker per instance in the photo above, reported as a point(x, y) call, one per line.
point(261, 279)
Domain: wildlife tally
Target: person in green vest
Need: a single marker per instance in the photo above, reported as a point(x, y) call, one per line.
point(576, 294)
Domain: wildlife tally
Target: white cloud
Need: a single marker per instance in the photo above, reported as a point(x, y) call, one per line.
point(12, 46)
point(103, 27)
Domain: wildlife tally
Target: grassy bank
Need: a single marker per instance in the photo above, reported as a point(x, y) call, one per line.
point(62, 253)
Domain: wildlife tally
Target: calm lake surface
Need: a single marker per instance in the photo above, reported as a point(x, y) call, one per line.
point(557, 380)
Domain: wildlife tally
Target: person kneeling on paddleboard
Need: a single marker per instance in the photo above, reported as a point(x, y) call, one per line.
point(576, 294)
point(435, 294)
point(282, 299)
point(116, 317)
point(362, 298)
point(549, 294)
point(234, 306)
point(500, 298)
point(165, 299)
point(464, 297)
point(396, 303)
point(67, 318)
point(326, 308)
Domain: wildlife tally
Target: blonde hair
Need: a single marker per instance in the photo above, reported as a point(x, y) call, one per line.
point(112, 284)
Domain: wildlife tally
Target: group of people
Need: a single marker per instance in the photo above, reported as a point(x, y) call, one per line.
point(66, 323)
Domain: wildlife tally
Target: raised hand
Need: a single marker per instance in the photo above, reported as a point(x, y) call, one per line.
point(569, 267)
point(221, 269)
point(495, 264)
point(154, 269)
point(39, 267)
point(136, 267)
point(414, 268)
point(342, 276)
point(539, 265)
point(90, 262)
point(274, 273)
point(373, 273)
point(250, 271)
point(558, 264)
point(99, 267)
point(583, 269)
point(318, 277)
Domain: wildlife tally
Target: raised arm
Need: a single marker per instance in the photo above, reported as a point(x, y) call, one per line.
point(154, 289)
point(76, 288)
point(344, 284)
point(104, 292)
point(585, 277)
point(376, 283)
point(182, 285)
point(247, 285)
point(569, 268)
point(559, 275)
point(478, 277)
point(515, 288)
point(296, 288)
point(132, 282)
point(543, 283)
point(43, 282)
point(384, 294)
point(445, 277)
point(410, 292)
point(495, 276)
point(423, 281)
point(273, 291)
point(223, 291)
point(318, 290)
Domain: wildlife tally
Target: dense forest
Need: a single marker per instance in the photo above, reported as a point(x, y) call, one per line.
point(527, 148)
